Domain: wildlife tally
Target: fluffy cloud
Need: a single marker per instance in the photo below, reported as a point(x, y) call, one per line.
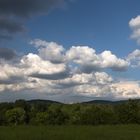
point(34, 64)
point(49, 50)
point(134, 58)
point(87, 58)
point(135, 26)
point(54, 72)
point(135, 22)
point(126, 89)
point(97, 78)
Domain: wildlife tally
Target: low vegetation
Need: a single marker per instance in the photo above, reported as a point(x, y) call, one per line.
point(105, 132)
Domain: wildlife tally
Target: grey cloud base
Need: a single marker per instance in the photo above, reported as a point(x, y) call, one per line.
point(7, 54)
point(14, 13)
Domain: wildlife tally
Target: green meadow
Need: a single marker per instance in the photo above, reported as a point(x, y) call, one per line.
point(106, 132)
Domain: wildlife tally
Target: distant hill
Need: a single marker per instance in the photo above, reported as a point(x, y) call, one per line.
point(107, 101)
point(39, 101)
point(43, 102)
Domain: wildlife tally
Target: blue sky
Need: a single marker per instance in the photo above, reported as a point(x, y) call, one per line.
point(109, 27)
point(101, 24)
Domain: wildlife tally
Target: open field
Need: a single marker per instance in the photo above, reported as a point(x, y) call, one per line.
point(118, 132)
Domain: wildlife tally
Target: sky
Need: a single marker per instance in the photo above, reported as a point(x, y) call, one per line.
point(69, 50)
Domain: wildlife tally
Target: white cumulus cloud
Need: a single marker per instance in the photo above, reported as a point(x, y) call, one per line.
point(56, 72)
point(87, 58)
point(134, 24)
point(49, 50)
point(134, 58)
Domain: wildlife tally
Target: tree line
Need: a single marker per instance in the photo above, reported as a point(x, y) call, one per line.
point(40, 113)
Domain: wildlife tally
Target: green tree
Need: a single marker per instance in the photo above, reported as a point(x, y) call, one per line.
point(128, 112)
point(75, 114)
point(97, 114)
point(15, 116)
point(41, 118)
point(56, 116)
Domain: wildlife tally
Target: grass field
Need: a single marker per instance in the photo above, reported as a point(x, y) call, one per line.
point(118, 132)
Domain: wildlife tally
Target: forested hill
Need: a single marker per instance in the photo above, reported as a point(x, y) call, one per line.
point(46, 112)
point(106, 102)
point(38, 101)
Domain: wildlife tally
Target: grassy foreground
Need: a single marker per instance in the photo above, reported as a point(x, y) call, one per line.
point(118, 132)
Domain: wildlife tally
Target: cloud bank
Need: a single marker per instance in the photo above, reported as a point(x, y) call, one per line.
point(55, 72)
